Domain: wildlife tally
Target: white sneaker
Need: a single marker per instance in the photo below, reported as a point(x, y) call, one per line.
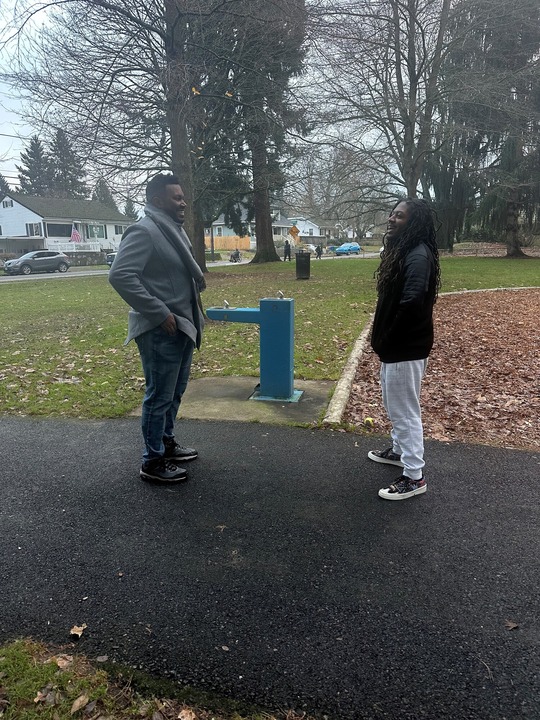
point(403, 488)
point(388, 457)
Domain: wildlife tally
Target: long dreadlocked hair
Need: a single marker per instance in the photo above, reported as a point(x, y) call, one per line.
point(420, 228)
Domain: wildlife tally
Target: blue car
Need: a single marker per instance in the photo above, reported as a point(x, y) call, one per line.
point(348, 248)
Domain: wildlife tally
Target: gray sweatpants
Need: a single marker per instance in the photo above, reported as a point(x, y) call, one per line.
point(401, 383)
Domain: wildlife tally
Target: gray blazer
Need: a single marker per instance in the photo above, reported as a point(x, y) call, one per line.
point(149, 274)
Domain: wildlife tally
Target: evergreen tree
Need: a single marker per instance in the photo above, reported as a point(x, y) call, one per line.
point(35, 174)
point(4, 187)
point(496, 113)
point(67, 170)
point(129, 210)
point(247, 109)
point(103, 194)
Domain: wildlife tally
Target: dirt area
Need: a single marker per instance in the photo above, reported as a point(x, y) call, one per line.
point(483, 379)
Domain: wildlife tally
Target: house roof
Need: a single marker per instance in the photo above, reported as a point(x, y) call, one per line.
point(50, 207)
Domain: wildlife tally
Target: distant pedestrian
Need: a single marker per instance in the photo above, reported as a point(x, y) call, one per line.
point(156, 274)
point(408, 281)
point(287, 250)
point(318, 251)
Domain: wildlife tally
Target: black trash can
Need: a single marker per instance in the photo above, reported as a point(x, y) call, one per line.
point(302, 265)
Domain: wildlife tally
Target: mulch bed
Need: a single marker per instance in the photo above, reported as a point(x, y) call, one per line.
point(482, 384)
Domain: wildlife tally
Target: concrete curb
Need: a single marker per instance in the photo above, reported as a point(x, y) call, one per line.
point(481, 290)
point(338, 403)
point(341, 395)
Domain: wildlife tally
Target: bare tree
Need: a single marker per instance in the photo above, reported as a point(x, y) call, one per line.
point(379, 67)
point(337, 185)
point(128, 81)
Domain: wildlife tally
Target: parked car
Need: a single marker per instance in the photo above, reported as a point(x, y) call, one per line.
point(348, 248)
point(305, 247)
point(38, 261)
point(109, 258)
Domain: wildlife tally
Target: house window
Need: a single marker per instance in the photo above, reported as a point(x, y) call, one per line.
point(33, 229)
point(311, 231)
point(7, 203)
point(119, 229)
point(96, 232)
point(219, 231)
point(62, 230)
point(276, 231)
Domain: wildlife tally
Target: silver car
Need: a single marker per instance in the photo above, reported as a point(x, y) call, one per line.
point(109, 258)
point(38, 261)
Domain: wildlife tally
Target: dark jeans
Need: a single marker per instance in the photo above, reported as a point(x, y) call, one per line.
point(166, 362)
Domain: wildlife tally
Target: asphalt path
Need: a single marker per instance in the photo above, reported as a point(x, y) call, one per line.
point(276, 575)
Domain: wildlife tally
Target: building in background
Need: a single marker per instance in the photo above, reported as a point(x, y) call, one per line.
point(225, 238)
point(35, 223)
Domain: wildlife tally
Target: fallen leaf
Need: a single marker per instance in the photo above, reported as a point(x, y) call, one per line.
point(40, 697)
point(79, 703)
point(77, 630)
point(510, 625)
point(186, 714)
point(63, 661)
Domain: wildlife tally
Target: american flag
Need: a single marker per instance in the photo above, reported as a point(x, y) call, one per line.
point(75, 235)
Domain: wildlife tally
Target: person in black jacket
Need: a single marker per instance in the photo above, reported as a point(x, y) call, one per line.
point(408, 281)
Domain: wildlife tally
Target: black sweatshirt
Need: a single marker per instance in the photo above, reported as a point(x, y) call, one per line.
point(403, 324)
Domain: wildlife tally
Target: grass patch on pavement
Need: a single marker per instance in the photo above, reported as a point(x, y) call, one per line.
point(62, 352)
point(38, 682)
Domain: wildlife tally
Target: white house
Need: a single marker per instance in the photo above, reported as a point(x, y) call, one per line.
point(225, 237)
point(310, 232)
point(281, 225)
point(35, 223)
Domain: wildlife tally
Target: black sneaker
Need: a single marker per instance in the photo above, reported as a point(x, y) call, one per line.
point(162, 470)
point(388, 457)
point(403, 489)
point(174, 451)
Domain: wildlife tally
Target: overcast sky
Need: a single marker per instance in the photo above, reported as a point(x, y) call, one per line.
point(13, 133)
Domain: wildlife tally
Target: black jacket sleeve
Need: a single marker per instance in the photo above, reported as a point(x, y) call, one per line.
point(403, 325)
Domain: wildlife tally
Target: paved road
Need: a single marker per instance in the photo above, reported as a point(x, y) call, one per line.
point(86, 273)
point(69, 275)
point(276, 574)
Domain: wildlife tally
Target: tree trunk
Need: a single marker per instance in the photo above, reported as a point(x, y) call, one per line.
point(266, 250)
point(178, 92)
point(197, 239)
point(513, 248)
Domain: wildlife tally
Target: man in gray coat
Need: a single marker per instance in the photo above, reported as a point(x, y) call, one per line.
point(156, 274)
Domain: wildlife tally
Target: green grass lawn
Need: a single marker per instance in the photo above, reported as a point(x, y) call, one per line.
point(62, 351)
point(40, 682)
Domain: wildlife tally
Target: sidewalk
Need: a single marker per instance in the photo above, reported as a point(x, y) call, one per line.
point(276, 575)
point(227, 398)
